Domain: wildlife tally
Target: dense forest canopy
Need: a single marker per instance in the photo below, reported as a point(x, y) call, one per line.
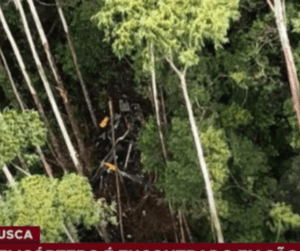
point(151, 121)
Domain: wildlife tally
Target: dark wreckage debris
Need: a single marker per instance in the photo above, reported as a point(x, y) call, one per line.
point(127, 122)
point(144, 218)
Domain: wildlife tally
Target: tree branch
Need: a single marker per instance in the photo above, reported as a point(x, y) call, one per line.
point(179, 73)
point(271, 5)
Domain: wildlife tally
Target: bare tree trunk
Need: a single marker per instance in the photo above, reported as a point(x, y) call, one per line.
point(46, 165)
point(155, 98)
point(187, 228)
point(83, 86)
point(70, 146)
point(116, 173)
point(279, 11)
point(101, 228)
point(181, 226)
point(28, 82)
point(203, 167)
point(68, 234)
point(174, 227)
point(8, 175)
point(22, 163)
point(58, 79)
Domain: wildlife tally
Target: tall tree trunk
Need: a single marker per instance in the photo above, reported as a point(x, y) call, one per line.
point(83, 86)
point(28, 82)
point(8, 175)
point(116, 172)
point(173, 224)
point(278, 9)
point(187, 229)
point(58, 79)
point(155, 98)
point(181, 227)
point(68, 234)
point(61, 124)
point(203, 167)
point(101, 228)
point(46, 165)
point(163, 108)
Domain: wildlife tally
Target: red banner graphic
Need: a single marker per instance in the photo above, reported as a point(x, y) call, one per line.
point(153, 247)
point(19, 235)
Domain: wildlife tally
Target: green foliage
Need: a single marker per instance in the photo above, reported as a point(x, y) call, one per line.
point(173, 26)
point(6, 86)
point(31, 159)
point(246, 222)
point(76, 198)
point(250, 173)
point(100, 68)
point(107, 212)
point(249, 72)
point(237, 96)
point(283, 218)
point(33, 201)
point(19, 130)
point(239, 78)
point(218, 153)
point(296, 23)
point(94, 57)
point(88, 45)
point(180, 178)
point(199, 95)
point(289, 182)
point(234, 116)
point(150, 146)
point(49, 203)
point(69, 3)
point(250, 161)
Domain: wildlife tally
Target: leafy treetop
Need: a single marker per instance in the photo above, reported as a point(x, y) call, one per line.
point(173, 26)
point(19, 130)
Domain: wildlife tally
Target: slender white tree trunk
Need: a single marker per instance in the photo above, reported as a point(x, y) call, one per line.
point(69, 144)
point(279, 10)
point(58, 78)
point(28, 82)
point(20, 61)
point(8, 175)
point(82, 83)
point(155, 98)
point(203, 167)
